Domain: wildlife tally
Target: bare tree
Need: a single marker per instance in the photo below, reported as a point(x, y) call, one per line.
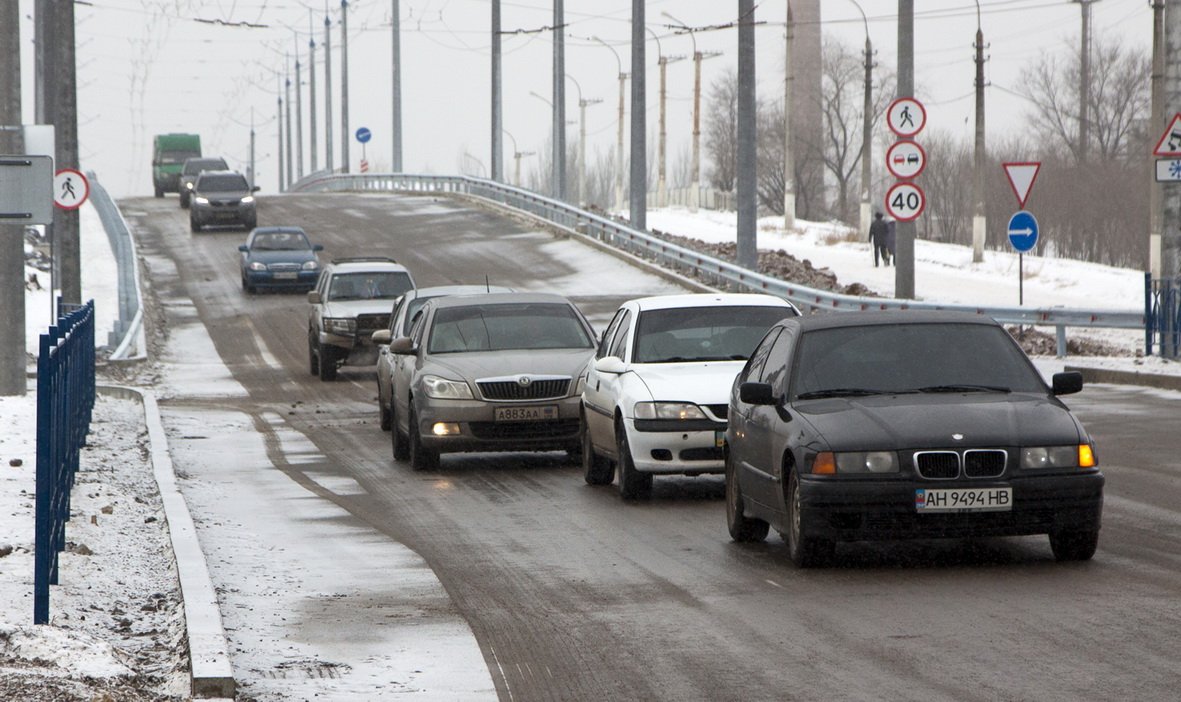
point(721, 131)
point(1119, 96)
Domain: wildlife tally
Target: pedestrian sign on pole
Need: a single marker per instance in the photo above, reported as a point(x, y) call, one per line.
point(70, 189)
point(906, 117)
point(905, 201)
point(1021, 177)
point(1170, 142)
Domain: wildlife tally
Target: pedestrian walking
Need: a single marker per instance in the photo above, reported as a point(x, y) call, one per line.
point(879, 235)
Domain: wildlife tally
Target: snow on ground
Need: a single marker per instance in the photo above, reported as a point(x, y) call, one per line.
point(116, 622)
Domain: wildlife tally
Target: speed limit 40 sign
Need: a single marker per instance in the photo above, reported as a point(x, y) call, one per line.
point(905, 201)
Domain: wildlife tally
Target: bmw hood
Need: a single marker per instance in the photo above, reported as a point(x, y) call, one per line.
point(933, 421)
point(705, 383)
point(477, 365)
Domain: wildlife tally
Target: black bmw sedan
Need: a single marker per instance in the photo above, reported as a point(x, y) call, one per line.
point(905, 424)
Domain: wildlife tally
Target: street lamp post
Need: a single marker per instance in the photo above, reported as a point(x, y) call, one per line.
point(582, 105)
point(661, 180)
point(866, 132)
point(695, 163)
point(517, 155)
point(619, 140)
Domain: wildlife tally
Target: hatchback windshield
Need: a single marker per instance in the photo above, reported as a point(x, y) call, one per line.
point(507, 327)
point(686, 334)
point(370, 285)
point(223, 183)
point(911, 358)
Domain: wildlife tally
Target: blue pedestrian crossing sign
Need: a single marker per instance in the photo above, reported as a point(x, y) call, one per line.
point(364, 135)
point(1023, 231)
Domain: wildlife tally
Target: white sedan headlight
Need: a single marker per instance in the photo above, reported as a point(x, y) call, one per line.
point(668, 410)
point(443, 389)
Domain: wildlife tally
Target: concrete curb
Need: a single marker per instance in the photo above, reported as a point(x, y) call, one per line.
point(211, 674)
point(1122, 377)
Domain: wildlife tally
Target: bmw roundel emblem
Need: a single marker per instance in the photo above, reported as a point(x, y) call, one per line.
point(524, 381)
point(958, 437)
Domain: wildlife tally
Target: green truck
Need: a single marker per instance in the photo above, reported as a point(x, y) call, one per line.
point(169, 152)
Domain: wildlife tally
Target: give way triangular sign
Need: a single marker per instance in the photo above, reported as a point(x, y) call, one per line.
point(1021, 177)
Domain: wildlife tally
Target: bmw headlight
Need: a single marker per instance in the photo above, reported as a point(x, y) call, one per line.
point(247, 200)
point(847, 462)
point(257, 266)
point(310, 265)
point(344, 326)
point(443, 389)
point(1042, 457)
point(668, 410)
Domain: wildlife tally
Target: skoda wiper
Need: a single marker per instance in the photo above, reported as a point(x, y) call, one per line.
point(838, 392)
point(964, 388)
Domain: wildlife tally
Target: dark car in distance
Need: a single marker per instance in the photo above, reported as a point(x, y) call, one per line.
point(192, 168)
point(278, 258)
point(222, 198)
point(908, 424)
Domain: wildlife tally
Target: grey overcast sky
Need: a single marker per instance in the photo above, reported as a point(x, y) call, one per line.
point(216, 66)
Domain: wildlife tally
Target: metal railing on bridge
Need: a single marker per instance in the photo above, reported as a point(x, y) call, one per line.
point(711, 270)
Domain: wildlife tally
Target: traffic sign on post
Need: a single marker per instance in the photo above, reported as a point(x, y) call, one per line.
point(1023, 231)
point(1169, 143)
point(1021, 177)
point(25, 195)
point(906, 117)
point(905, 201)
point(906, 160)
point(70, 189)
point(364, 135)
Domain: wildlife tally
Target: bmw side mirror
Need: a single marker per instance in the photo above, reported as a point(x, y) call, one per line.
point(243, 248)
point(756, 393)
point(256, 188)
point(1067, 383)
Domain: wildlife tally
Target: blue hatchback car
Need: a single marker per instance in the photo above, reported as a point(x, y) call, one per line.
point(279, 258)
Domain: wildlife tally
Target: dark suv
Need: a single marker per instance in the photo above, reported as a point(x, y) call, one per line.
point(220, 198)
point(189, 172)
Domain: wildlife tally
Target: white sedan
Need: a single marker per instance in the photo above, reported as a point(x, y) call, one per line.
point(657, 390)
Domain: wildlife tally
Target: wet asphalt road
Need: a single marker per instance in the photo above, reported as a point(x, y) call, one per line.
point(575, 595)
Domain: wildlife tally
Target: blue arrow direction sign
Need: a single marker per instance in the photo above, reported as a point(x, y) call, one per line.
point(364, 135)
point(1023, 231)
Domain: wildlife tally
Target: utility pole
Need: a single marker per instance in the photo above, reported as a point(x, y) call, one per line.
point(559, 102)
point(12, 241)
point(583, 103)
point(344, 86)
point(279, 122)
point(661, 172)
point(396, 163)
point(979, 230)
point(517, 154)
point(287, 114)
point(789, 175)
point(298, 116)
point(65, 122)
point(1170, 253)
point(312, 97)
point(904, 231)
point(638, 206)
point(866, 131)
point(1084, 87)
point(695, 160)
point(327, 93)
point(619, 127)
point(250, 168)
point(497, 119)
point(747, 176)
point(1157, 121)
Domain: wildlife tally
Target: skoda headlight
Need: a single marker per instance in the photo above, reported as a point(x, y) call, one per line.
point(344, 326)
point(668, 410)
point(443, 389)
point(257, 266)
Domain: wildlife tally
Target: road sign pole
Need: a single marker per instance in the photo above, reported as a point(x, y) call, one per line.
point(1020, 279)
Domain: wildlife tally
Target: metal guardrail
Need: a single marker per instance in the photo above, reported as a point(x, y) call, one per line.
point(65, 400)
point(707, 268)
point(130, 320)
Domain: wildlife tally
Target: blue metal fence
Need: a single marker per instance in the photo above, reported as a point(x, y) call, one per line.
point(65, 400)
point(1162, 313)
